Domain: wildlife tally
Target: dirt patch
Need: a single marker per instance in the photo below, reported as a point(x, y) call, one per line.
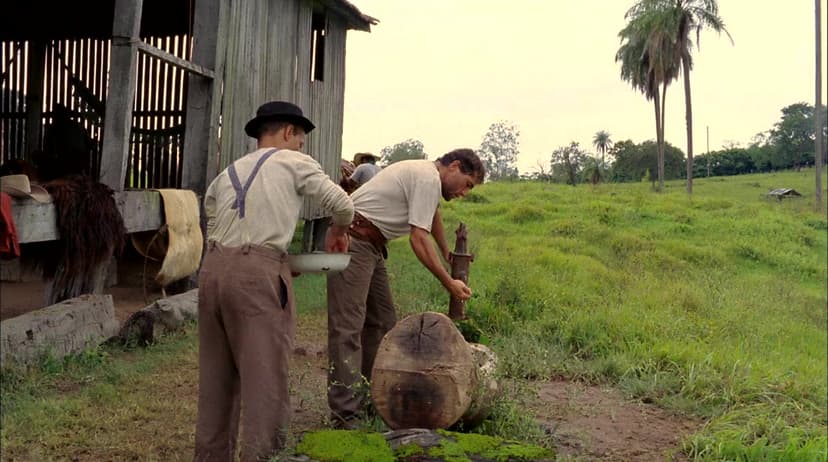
point(599, 424)
point(308, 376)
point(134, 289)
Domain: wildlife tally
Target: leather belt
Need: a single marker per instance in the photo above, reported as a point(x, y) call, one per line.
point(362, 228)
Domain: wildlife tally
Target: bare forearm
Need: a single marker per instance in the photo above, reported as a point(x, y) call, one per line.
point(438, 233)
point(425, 252)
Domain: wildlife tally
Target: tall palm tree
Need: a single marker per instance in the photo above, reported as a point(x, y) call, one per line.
point(686, 16)
point(602, 143)
point(818, 111)
point(648, 62)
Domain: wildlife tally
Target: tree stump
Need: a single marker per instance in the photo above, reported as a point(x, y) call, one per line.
point(424, 374)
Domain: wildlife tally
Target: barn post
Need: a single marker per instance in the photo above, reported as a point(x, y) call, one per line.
point(204, 97)
point(34, 95)
point(121, 93)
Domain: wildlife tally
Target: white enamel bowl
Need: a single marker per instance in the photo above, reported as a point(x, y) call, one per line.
point(319, 262)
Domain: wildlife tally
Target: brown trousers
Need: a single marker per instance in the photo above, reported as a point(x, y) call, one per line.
point(360, 312)
point(246, 323)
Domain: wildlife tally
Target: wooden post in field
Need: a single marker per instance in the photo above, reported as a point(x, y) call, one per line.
point(460, 262)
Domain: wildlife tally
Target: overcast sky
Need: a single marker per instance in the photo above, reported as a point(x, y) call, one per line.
point(442, 71)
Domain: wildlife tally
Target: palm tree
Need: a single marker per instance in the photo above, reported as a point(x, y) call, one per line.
point(602, 143)
point(648, 63)
point(818, 110)
point(686, 16)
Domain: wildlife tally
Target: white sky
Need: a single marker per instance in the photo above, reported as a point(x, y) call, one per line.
point(442, 71)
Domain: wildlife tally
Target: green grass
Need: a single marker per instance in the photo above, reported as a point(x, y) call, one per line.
point(713, 306)
point(83, 404)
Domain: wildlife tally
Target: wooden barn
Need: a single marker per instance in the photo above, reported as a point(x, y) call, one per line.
point(147, 94)
point(163, 87)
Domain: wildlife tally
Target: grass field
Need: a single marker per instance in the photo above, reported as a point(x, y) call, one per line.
point(714, 306)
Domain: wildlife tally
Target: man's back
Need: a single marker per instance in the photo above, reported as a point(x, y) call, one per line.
point(365, 172)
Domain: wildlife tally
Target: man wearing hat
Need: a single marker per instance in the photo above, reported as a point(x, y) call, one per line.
point(246, 313)
point(366, 168)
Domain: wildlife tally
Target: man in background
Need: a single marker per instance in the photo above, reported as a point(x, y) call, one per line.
point(366, 168)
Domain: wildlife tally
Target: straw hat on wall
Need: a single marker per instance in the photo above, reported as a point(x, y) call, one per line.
point(19, 186)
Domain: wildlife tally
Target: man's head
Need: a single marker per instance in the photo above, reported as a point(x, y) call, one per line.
point(460, 171)
point(279, 124)
point(364, 158)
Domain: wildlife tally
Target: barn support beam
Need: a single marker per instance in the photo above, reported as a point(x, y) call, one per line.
point(34, 96)
point(121, 93)
point(204, 96)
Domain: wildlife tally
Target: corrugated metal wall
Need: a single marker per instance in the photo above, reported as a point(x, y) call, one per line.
point(268, 58)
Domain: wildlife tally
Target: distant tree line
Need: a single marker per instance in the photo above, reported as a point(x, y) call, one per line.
point(789, 144)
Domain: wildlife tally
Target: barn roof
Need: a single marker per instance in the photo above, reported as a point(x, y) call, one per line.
point(62, 19)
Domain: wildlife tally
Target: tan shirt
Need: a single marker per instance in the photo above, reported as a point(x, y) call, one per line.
point(403, 194)
point(274, 200)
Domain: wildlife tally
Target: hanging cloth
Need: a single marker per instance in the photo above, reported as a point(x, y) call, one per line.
point(9, 246)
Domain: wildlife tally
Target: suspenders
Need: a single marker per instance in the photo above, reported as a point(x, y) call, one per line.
point(241, 192)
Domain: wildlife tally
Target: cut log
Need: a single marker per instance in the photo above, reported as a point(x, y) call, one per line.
point(424, 374)
point(67, 327)
point(164, 315)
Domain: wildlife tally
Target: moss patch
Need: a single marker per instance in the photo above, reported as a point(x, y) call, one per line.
point(343, 445)
point(359, 446)
point(458, 446)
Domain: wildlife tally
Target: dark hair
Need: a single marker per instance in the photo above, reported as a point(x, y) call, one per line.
point(470, 164)
point(272, 126)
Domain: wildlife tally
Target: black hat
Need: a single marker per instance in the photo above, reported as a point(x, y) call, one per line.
point(277, 110)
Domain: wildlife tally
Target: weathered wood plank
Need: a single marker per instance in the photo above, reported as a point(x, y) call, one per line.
point(204, 96)
point(37, 222)
point(34, 95)
point(148, 49)
point(61, 329)
point(121, 93)
point(141, 210)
